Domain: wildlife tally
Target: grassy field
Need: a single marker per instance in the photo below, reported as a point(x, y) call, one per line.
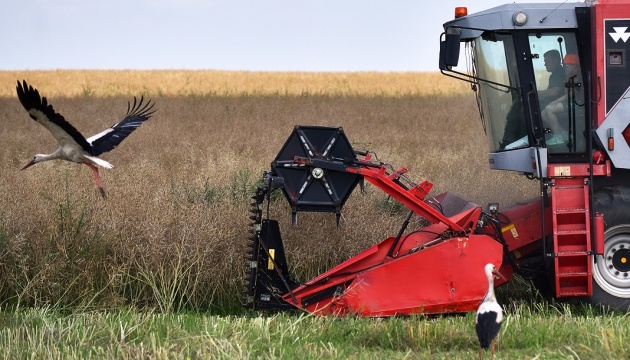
point(531, 331)
point(168, 241)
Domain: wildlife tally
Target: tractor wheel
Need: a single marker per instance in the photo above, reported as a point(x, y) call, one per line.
point(611, 272)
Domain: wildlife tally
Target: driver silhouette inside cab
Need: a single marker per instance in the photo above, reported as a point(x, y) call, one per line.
point(554, 113)
point(555, 87)
point(515, 122)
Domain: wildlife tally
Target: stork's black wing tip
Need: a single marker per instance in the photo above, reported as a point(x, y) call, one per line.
point(21, 86)
point(140, 108)
point(24, 88)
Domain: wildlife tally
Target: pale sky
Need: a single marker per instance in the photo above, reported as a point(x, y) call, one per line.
point(250, 35)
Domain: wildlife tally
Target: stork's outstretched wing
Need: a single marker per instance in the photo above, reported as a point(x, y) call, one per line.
point(40, 111)
point(110, 138)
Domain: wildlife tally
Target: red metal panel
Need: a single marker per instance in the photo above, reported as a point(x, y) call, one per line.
point(578, 170)
point(599, 234)
point(409, 198)
point(603, 10)
point(447, 277)
point(525, 227)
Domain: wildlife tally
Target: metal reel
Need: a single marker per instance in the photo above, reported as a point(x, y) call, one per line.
point(308, 187)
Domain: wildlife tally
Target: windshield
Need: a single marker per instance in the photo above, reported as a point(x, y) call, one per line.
point(500, 101)
point(559, 85)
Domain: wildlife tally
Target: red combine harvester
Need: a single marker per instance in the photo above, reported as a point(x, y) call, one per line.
point(552, 84)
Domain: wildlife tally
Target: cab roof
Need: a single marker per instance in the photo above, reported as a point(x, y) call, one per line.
point(541, 16)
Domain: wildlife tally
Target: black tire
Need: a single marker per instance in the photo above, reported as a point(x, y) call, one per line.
point(611, 272)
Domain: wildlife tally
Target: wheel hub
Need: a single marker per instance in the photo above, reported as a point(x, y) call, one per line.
point(620, 260)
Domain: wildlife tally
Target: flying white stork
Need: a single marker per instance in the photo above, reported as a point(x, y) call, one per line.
point(72, 145)
point(489, 314)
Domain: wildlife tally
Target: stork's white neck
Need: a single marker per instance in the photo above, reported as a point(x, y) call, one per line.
point(490, 294)
point(46, 157)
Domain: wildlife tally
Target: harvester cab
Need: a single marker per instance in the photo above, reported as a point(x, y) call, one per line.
point(529, 64)
point(551, 82)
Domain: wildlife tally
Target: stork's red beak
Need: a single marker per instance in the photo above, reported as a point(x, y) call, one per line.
point(30, 163)
point(498, 274)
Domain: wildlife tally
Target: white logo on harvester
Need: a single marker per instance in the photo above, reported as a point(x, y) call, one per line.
point(620, 33)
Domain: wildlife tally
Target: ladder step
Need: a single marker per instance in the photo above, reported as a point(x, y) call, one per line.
point(573, 286)
point(571, 211)
point(569, 186)
point(572, 243)
point(575, 271)
point(571, 232)
point(573, 292)
point(573, 274)
point(572, 265)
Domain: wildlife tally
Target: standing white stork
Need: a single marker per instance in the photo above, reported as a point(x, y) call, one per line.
point(72, 145)
point(489, 314)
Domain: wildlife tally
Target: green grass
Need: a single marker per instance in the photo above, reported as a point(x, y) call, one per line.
point(530, 331)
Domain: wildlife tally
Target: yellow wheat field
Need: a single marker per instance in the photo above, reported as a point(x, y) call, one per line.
point(176, 216)
point(106, 83)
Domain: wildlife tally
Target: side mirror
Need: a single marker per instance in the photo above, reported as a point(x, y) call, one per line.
point(449, 49)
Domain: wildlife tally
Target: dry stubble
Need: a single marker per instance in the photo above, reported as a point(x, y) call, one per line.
point(179, 191)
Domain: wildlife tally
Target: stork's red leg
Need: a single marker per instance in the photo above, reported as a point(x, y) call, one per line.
point(97, 178)
point(480, 353)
